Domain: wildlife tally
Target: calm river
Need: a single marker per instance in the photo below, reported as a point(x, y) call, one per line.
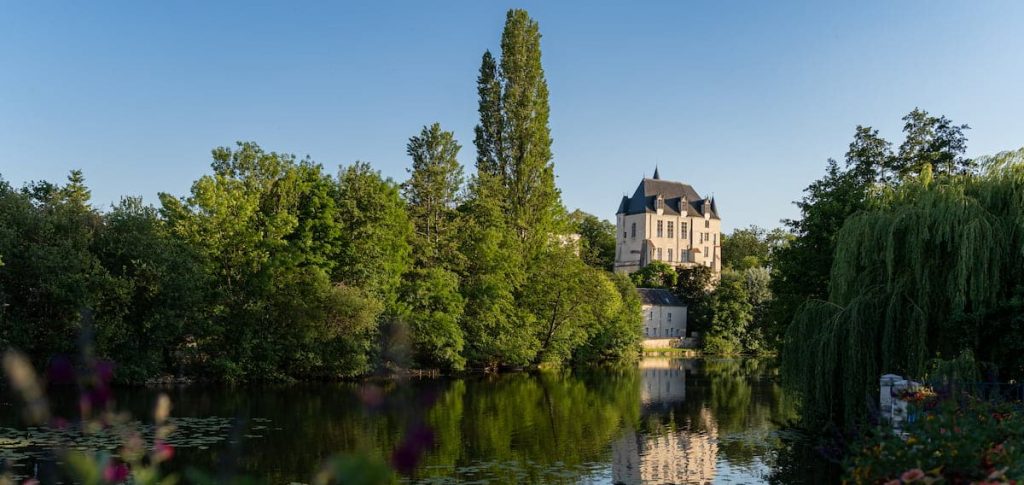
point(665, 421)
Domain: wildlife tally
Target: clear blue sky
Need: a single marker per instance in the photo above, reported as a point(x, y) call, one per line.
point(745, 100)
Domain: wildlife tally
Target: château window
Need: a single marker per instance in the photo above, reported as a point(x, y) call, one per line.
point(659, 254)
point(669, 316)
point(683, 229)
point(707, 224)
point(661, 229)
point(633, 230)
point(670, 255)
point(671, 227)
point(716, 238)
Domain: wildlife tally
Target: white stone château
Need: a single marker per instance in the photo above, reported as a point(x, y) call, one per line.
point(670, 222)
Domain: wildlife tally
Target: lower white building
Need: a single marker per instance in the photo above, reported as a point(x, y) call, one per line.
point(664, 317)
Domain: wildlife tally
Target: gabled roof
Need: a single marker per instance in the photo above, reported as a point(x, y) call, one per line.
point(659, 296)
point(679, 199)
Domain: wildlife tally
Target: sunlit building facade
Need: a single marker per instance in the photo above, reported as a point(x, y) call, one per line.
point(669, 222)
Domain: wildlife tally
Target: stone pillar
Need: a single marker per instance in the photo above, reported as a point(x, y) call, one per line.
point(885, 385)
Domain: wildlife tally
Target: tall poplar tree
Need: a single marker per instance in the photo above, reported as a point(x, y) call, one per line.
point(513, 139)
point(513, 205)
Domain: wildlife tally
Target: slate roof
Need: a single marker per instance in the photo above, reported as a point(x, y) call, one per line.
point(679, 198)
point(658, 296)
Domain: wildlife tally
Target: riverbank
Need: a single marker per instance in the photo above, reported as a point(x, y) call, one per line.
point(671, 352)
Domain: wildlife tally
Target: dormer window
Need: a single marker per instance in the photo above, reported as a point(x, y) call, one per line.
point(659, 204)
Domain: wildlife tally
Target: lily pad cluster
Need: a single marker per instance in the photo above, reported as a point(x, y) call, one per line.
point(20, 446)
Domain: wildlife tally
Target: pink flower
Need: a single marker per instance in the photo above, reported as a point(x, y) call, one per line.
point(162, 451)
point(894, 481)
point(910, 476)
point(115, 472)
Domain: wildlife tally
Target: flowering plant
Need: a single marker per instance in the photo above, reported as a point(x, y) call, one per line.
point(958, 441)
point(916, 395)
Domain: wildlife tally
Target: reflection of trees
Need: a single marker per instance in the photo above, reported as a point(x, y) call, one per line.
point(543, 419)
point(541, 422)
point(747, 403)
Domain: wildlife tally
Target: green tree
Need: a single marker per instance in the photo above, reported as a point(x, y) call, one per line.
point(731, 314)
point(751, 247)
point(558, 292)
point(513, 214)
point(433, 194)
point(375, 232)
point(433, 306)
point(657, 274)
point(597, 239)
point(693, 286)
point(757, 286)
point(935, 142)
point(513, 139)
point(614, 335)
point(497, 330)
point(50, 274)
point(276, 237)
point(801, 267)
point(157, 295)
point(892, 309)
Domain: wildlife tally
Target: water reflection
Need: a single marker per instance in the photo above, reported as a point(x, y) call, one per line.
point(664, 421)
point(664, 451)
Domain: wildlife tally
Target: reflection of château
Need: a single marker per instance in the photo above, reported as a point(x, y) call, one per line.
point(663, 381)
point(666, 454)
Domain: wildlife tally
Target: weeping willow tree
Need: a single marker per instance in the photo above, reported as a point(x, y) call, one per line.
point(913, 279)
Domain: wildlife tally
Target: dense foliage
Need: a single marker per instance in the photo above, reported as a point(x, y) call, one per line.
point(925, 262)
point(272, 268)
point(597, 239)
point(751, 247)
point(657, 274)
point(732, 313)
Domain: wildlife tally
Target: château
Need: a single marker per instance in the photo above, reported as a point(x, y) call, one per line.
point(670, 222)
